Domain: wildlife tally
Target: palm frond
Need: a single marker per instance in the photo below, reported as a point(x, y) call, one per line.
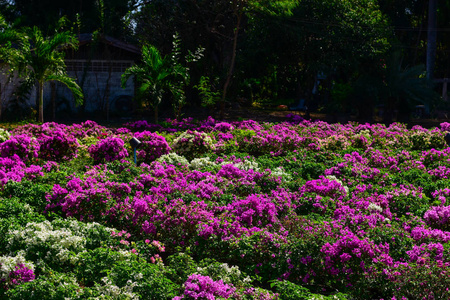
point(62, 40)
point(134, 70)
point(71, 84)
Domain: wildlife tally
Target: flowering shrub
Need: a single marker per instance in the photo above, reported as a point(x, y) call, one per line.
point(14, 169)
point(4, 135)
point(438, 217)
point(173, 159)
point(193, 144)
point(24, 146)
point(56, 145)
point(107, 150)
point(15, 270)
point(203, 287)
point(153, 146)
point(238, 210)
point(223, 126)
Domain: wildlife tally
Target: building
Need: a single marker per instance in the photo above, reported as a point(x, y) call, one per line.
point(97, 65)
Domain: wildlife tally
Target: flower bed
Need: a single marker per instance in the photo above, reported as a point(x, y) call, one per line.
point(225, 210)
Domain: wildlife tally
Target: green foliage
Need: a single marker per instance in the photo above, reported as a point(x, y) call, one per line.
point(158, 73)
point(408, 280)
point(290, 291)
point(180, 266)
point(28, 192)
point(391, 233)
point(49, 285)
point(13, 214)
point(39, 59)
point(95, 264)
point(151, 281)
point(209, 95)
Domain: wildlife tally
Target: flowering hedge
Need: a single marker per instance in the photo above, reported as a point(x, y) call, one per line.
point(108, 149)
point(225, 210)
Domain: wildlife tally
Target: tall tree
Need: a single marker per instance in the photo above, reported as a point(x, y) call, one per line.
point(157, 74)
point(109, 14)
point(39, 59)
point(8, 36)
point(215, 25)
point(431, 38)
point(336, 38)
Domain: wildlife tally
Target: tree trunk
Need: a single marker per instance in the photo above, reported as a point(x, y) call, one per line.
point(232, 63)
point(1, 101)
point(431, 39)
point(53, 87)
point(41, 101)
point(107, 101)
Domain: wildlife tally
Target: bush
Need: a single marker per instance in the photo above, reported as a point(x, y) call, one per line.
point(192, 144)
point(24, 146)
point(28, 192)
point(4, 135)
point(107, 150)
point(50, 286)
point(15, 270)
point(56, 145)
point(153, 146)
point(290, 291)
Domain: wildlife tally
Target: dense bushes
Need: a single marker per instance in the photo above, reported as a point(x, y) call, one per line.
point(215, 210)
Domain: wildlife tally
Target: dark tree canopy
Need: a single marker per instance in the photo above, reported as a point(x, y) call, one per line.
point(260, 49)
point(105, 15)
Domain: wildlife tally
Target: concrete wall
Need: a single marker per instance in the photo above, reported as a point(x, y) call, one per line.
point(8, 86)
point(99, 86)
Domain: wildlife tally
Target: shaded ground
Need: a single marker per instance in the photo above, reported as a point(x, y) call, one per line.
point(247, 113)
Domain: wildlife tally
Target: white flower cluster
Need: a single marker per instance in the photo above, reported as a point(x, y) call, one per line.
point(4, 135)
point(173, 159)
point(247, 165)
point(112, 292)
point(420, 140)
point(373, 206)
point(61, 239)
point(365, 132)
point(229, 275)
point(280, 172)
point(185, 142)
point(43, 234)
point(9, 263)
point(334, 178)
point(200, 163)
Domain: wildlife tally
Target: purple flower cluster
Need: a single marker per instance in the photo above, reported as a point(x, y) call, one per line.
point(21, 274)
point(22, 145)
point(153, 146)
point(438, 217)
point(57, 145)
point(203, 287)
point(13, 168)
point(108, 149)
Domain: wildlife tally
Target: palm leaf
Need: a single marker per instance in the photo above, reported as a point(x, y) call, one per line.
point(71, 84)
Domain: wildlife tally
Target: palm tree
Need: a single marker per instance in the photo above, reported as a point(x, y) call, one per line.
point(8, 37)
point(158, 74)
point(396, 87)
point(39, 59)
point(404, 86)
point(153, 75)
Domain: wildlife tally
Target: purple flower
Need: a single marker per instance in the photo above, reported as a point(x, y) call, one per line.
point(204, 287)
point(107, 150)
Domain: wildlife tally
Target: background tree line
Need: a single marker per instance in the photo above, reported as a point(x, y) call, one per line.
point(364, 52)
